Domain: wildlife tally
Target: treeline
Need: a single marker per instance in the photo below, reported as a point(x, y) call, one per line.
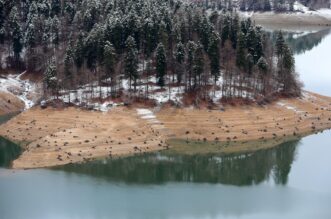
point(102, 42)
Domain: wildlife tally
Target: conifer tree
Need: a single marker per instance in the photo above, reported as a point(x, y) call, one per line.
point(180, 58)
point(214, 55)
point(55, 30)
point(17, 41)
point(79, 51)
point(161, 64)
point(109, 63)
point(131, 61)
point(240, 53)
point(50, 76)
point(198, 65)
point(55, 7)
point(191, 46)
point(280, 43)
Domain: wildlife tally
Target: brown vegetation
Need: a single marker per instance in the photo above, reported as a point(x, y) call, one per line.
point(55, 137)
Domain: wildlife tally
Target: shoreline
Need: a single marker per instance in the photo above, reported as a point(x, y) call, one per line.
point(53, 137)
point(288, 19)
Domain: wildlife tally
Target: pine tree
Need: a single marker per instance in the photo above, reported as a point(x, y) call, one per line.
point(258, 47)
point(251, 40)
point(161, 64)
point(242, 5)
point(191, 46)
point(109, 63)
point(240, 53)
point(131, 61)
point(70, 11)
point(287, 74)
point(16, 34)
point(30, 37)
point(263, 69)
point(280, 44)
point(55, 7)
point(198, 64)
point(17, 41)
point(250, 63)
point(2, 22)
point(50, 76)
point(267, 5)
point(225, 34)
point(79, 51)
point(180, 58)
point(88, 20)
point(68, 63)
point(205, 31)
point(55, 31)
point(214, 55)
point(2, 13)
point(234, 30)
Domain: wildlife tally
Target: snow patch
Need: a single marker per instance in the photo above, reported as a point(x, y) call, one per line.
point(148, 115)
point(18, 87)
point(290, 107)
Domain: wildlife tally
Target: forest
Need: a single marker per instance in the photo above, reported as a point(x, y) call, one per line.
point(98, 49)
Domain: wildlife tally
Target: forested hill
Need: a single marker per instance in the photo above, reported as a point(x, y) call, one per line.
point(139, 46)
point(263, 5)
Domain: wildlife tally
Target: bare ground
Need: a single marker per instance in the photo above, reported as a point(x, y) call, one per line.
point(55, 137)
point(9, 103)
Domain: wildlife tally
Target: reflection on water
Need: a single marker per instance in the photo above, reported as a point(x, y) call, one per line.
point(243, 169)
point(158, 186)
point(8, 152)
point(301, 41)
point(5, 118)
point(306, 42)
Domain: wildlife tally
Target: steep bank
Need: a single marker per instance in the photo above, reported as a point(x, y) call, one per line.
point(54, 137)
point(9, 103)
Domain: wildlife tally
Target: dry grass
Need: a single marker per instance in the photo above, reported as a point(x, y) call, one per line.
point(57, 137)
point(248, 123)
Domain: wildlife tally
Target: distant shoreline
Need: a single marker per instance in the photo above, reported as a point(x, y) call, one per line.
point(288, 19)
point(53, 137)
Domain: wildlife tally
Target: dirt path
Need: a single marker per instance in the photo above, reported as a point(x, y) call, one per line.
point(54, 137)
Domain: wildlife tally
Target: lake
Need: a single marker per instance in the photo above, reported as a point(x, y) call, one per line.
point(292, 180)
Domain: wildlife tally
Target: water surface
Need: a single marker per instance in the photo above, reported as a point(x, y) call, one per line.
point(290, 181)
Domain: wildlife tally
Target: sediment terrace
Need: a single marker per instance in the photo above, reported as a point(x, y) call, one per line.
point(55, 137)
